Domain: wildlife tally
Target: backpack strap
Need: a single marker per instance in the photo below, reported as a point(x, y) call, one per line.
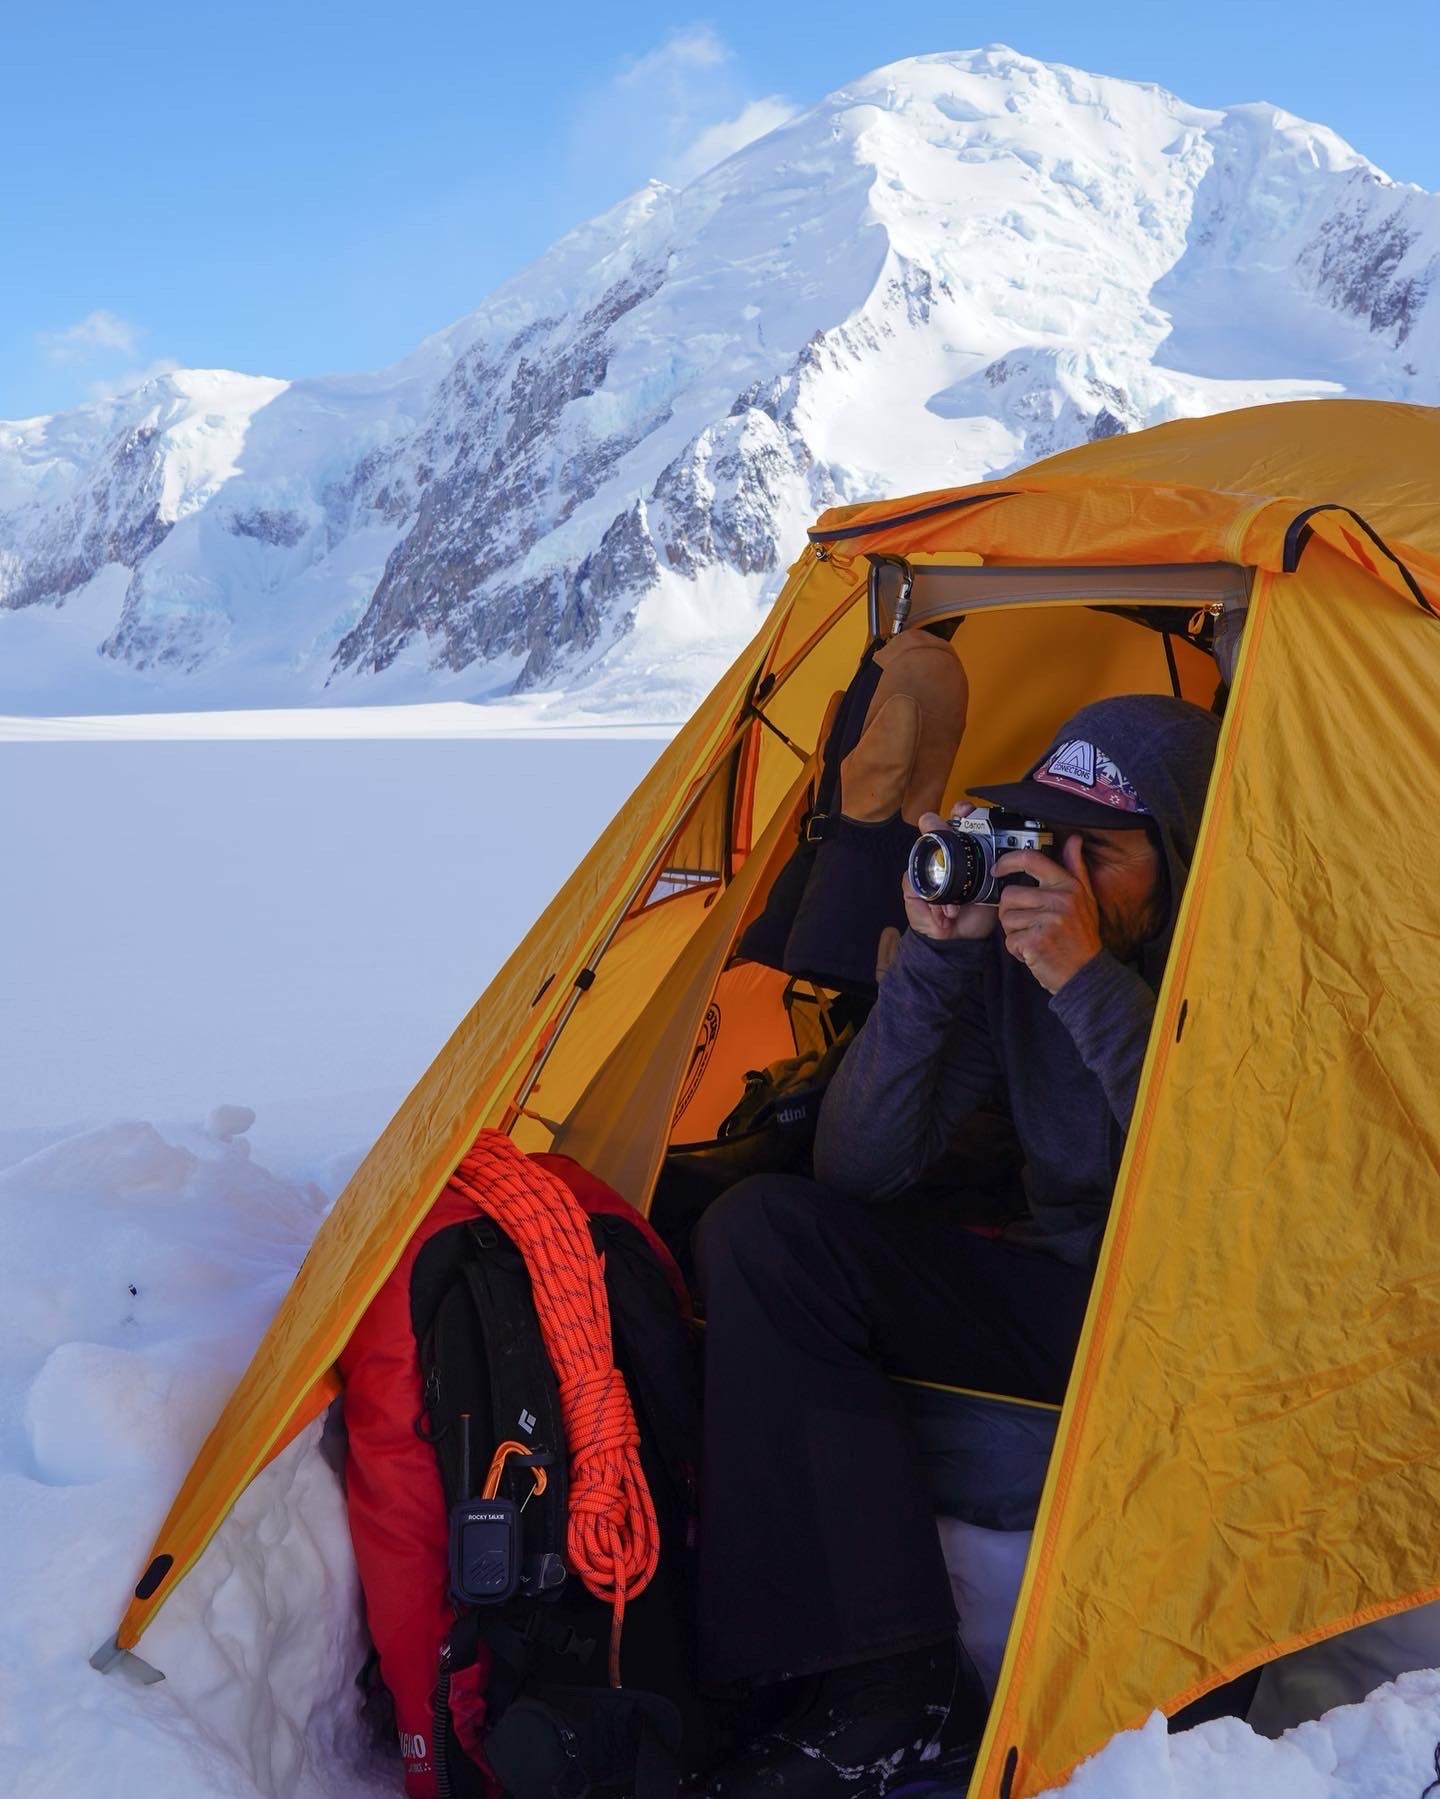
point(766, 938)
point(524, 1399)
point(845, 732)
point(473, 1310)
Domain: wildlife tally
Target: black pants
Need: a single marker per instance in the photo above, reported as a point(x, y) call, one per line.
point(818, 1539)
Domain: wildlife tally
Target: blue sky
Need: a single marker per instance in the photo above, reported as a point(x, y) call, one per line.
point(300, 187)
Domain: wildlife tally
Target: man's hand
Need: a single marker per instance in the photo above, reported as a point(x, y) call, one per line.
point(945, 924)
point(1054, 928)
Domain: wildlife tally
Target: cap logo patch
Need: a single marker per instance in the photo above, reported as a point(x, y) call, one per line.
point(1079, 767)
point(1076, 761)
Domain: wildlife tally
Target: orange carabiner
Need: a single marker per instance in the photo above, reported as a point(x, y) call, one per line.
point(497, 1467)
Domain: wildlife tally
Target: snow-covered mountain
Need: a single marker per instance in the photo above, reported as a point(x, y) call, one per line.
point(595, 481)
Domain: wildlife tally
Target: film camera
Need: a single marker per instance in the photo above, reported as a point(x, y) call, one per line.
point(955, 866)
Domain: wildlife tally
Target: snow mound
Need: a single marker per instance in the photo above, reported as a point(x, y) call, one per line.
point(142, 1268)
point(1383, 1749)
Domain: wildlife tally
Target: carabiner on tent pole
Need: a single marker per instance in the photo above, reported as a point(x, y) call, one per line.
point(901, 609)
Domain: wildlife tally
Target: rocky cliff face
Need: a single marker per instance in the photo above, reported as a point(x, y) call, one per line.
point(595, 482)
point(490, 489)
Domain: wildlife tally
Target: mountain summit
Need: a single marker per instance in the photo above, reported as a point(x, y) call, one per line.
point(958, 264)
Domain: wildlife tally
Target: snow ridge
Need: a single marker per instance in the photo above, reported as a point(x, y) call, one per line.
point(955, 265)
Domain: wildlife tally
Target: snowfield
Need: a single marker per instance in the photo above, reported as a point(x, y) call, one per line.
point(295, 926)
point(240, 935)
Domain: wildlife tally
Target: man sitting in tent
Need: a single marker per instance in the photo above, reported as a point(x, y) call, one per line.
point(820, 1555)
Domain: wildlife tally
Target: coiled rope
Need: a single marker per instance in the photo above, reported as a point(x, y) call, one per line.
point(612, 1536)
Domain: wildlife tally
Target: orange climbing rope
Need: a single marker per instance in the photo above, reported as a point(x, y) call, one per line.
point(612, 1537)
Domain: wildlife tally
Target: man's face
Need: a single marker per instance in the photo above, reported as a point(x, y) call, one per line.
point(1126, 872)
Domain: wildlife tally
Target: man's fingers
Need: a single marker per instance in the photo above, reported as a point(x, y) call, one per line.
point(932, 821)
point(1027, 941)
point(1073, 850)
point(1028, 918)
point(1034, 926)
point(1045, 871)
point(1015, 900)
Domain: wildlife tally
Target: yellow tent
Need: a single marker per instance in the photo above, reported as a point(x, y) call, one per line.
point(1249, 1455)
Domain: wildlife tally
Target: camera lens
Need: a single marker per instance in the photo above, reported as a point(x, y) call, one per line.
point(947, 868)
point(930, 872)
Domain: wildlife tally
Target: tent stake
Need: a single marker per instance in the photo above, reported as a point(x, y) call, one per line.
point(110, 1656)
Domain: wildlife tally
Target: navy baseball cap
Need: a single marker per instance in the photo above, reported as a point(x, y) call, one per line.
point(1075, 784)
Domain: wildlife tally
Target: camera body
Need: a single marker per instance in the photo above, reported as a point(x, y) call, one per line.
point(955, 866)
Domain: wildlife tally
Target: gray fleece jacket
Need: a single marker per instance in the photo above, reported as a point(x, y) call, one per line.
point(957, 1025)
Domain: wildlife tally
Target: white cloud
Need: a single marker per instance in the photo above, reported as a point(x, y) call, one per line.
point(113, 385)
point(98, 333)
point(673, 112)
point(670, 63)
point(99, 342)
point(716, 142)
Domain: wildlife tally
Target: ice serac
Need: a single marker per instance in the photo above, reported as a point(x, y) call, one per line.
point(593, 483)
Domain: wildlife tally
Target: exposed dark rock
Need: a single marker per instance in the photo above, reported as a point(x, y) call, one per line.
point(283, 529)
point(1055, 408)
point(114, 519)
point(600, 597)
point(720, 500)
point(1105, 424)
point(1355, 265)
point(498, 493)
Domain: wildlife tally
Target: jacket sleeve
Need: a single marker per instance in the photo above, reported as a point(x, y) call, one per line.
point(1108, 1010)
point(922, 1062)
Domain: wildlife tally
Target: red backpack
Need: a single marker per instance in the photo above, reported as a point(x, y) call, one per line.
point(450, 1378)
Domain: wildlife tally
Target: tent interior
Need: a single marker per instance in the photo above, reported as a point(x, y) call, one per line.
point(1034, 650)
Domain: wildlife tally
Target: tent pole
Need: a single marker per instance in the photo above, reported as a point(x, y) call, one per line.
point(586, 977)
point(584, 981)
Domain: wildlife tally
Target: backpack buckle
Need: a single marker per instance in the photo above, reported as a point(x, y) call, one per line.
point(544, 1573)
